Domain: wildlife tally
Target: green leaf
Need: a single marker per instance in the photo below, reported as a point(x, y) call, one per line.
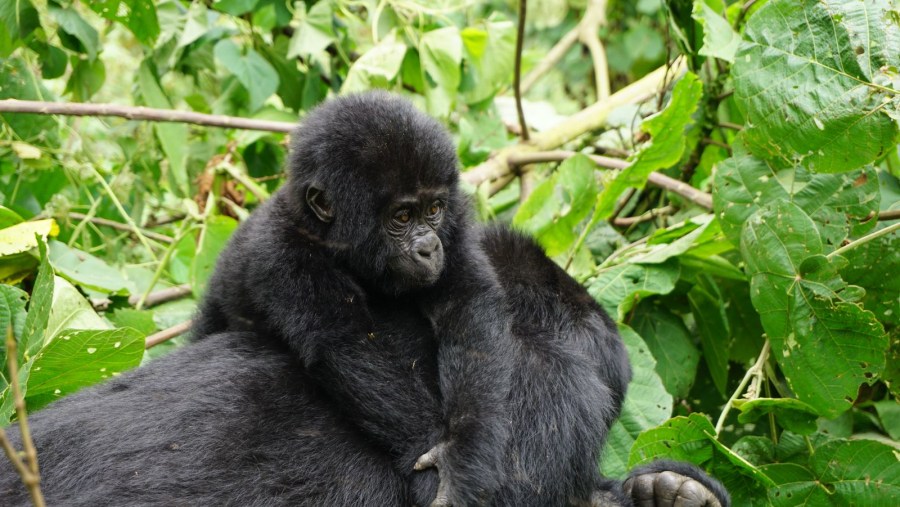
point(680, 438)
point(86, 79)
point(670, 342)
point(70, 310)
point(18, 20)
point(556, 207)
point(840, 204)
point(841, 472)
point(216, 232)
point(75, 33)
point(139, 16)
point(815, 80)
point(667, 131)
point(315, 31)
point(792, 415)
point(826, 345)
point(712, 326)
point(171, 136)
point(235, 7)
point(252, 70)
point(619, 288)
point(18, 82)
point(377, 67)
point(77, 359)
point(84, 269)
point(646, 405)
point(440, 53)
point(12, 313)
point(489, 52)
point(39, 307)
point(719, 39)
point(867, 265)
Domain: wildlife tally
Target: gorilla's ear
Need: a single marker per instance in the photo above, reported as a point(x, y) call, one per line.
point(315, 199)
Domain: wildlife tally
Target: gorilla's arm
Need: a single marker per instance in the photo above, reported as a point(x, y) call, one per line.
point(470, 322)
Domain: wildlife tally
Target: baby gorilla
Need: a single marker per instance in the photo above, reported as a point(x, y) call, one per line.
point(372, 212)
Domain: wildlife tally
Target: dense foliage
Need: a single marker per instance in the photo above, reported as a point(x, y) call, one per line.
point(763, 323)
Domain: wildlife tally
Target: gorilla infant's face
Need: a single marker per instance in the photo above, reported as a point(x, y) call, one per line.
point(416, 256)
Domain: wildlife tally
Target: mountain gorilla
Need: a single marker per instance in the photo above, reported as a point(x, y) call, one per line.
point(363, 342)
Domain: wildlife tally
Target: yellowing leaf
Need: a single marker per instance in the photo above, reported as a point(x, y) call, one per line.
point(21, 237)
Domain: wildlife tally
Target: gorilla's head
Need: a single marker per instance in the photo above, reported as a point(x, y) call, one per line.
point(381, 178)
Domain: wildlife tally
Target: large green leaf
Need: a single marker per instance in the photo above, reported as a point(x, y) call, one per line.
point(315, 31)
point(70, 310)
point(76, 359)
point(559, 204)
point(440, 53)
point(377, 67)
point(171, 136)
point(680, 438)
point(867, 266)
point(138, 15)
point(818, 80)
point(84, 269)
point(841, 472)
point(252, 70)
point(489, 51)
point(665, 148)
point(719, 38)
point(670, 342)
point(18, 82)
point(825, 343)
point(75, 33)
point(712, 326)
point(646, 405)
point(839, 204)
point(619, 288)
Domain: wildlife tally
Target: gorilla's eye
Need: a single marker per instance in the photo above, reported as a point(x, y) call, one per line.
point(434, 209)
point(402, 216)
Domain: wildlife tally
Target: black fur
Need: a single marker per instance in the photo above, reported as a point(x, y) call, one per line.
point(349, 377)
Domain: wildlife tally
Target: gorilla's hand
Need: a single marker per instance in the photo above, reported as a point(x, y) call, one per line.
point(669, 484)
point(435, 458)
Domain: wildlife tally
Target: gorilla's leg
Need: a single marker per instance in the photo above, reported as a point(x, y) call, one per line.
point(230, 420)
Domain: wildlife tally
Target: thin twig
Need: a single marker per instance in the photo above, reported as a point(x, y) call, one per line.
point(28, 468)
point(141, 113)
point(167, 334)
point(594, 18)
point(162, 238)
point(124, 214)
point(656, 179)
point(730, 125)
point(755, 371)
point(863, 240)
point(644, 217)
point(162, 296)
point(556, 53)
point(893, 214)
point(517, 89)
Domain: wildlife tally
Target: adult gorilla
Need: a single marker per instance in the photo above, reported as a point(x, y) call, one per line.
point(367, 352)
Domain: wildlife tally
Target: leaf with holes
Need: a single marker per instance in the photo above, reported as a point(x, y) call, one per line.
point(77, 359)
point(817, 80)
point(826, 344)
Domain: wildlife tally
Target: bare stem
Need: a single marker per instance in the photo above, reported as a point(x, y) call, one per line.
point(162, 296)
point(28, 468)
point(755, 371)
point(141, 113)
point(119, 226)
point(517, 89)
point(167, 334)
point(863, 240)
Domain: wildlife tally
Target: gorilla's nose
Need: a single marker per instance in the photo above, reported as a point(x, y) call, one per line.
point(427, 246)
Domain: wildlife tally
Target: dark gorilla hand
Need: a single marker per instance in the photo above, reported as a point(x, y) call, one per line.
point(667, 483)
